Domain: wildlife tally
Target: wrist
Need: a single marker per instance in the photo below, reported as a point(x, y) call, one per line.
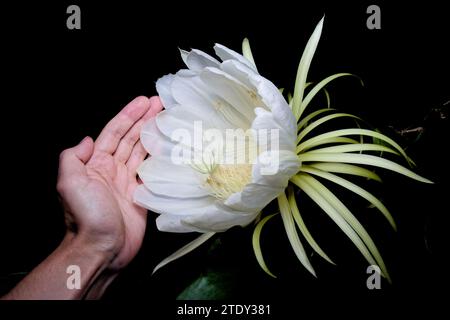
point(68, 273)
point(78, 245)
point(97, 256)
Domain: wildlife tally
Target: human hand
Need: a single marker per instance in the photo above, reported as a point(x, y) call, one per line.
point(96, 182)
point(105, 228)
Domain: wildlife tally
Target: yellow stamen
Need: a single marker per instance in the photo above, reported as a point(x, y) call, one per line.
point(224, 180)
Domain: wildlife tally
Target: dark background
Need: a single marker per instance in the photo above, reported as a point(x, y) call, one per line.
point(62, 85)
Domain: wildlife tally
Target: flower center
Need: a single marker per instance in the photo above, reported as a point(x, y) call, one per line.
point(224, 180)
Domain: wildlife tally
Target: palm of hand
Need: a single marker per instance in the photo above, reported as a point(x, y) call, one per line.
point(111, 185)
point(98, 193)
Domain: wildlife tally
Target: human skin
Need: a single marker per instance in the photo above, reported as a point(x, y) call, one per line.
point(105, 228)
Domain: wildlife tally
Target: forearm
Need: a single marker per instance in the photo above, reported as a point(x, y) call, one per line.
point(100, 285)
point(53, 280)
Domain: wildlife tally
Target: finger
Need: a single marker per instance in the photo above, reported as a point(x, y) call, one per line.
point(72, 161)
point(134, 183)
point(137, 157)
point(156, 104)
point(109, 138)
point(139, 153)
point(127, 143)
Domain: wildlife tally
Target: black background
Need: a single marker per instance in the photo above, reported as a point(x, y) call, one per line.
point(62, 85)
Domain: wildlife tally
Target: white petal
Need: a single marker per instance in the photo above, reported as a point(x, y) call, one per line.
point(162, 177)
point(197, 60)
point(162, 169)
point(193, 94)
point(184, 55)
point(172, 223)
point(178, 118)
point(275, 168)
point(186, 73)
point(235, 202)
point(263, 124)
point(188, 132)
point(163, 87)
point(154, 141)
point(275, 101)
point(165, 188)
point(253, 198)
point(219, 218)
point(170, 205)
point(225, 53)
point(239, 71)
point(258, 195)
point(242, 98)
point(269, 94)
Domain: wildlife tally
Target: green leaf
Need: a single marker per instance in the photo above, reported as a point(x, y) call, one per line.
point(184, 250)
point(346, 169)
point(303, 67)
point(361, 159)
point(354, 188)
point(301, 225)
point(289, 226)
point(257, 245)
point(213, 285)
point(247, 52)
point(320, 121)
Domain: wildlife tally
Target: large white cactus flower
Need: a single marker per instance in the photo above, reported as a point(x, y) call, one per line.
point(225, 181)
point(200, 180)
point(213, 193)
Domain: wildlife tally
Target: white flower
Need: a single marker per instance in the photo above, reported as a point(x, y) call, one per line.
point(211, 196)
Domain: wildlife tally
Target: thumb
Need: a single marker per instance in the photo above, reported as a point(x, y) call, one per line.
point(72, 161)
point(83, 151)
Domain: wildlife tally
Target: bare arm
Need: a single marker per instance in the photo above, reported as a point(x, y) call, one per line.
point(49, 279)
